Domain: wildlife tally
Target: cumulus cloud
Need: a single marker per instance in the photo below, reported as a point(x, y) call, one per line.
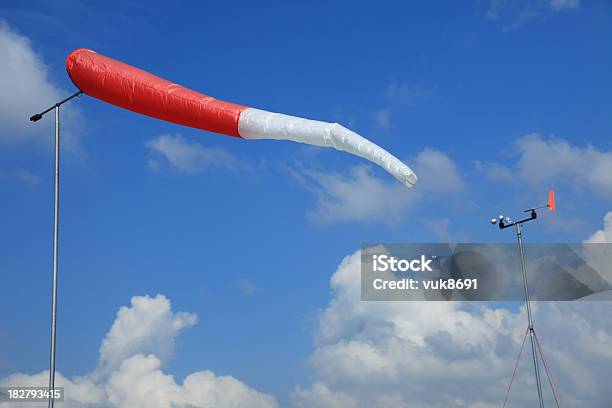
point(544, 161)
point(26, 89)
point(361, 195)
point(78, 392)
point(147, 326)
point(130, 374)
point(494, 171)
point(449, 354)
point(437, 172)
point(140, 382)
point(604, 235)
point(319, 396)
point(175, 152)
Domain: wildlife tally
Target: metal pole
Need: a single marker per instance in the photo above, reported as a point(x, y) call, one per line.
point(35, 118)
point(519, 236)
point(55, 256)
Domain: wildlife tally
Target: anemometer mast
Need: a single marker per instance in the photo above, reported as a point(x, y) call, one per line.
point(506, 222)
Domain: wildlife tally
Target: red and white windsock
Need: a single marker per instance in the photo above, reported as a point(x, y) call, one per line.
point(139, 91)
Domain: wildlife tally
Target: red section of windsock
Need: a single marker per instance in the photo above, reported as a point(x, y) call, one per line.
point(551, 200)
point(139, 91)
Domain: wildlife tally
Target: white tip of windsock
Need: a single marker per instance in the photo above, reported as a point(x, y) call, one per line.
point(260, 124)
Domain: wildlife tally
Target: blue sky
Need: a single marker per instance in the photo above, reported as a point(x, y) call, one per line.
point(494, 102)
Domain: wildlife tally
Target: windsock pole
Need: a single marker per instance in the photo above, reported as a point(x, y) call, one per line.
point(56, 180)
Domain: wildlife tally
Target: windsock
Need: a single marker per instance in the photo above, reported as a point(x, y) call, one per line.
point(139, 91)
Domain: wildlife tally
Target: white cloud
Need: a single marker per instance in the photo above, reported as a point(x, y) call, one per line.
point(560, 5)
point(449, 354)
point(437, 172)
point(78, 392)
point(130, 374)
point(246, 286)
point(398, 95)
point(405, 93)
point(439, 227)
point(205, 389)
point(546, 161)
point(319, 396)
point(363, 196)
point(147, 326)
point(22, 175)
point(188, 157)
point(27, 176)
point(140, 379)
point(358, 196)
point(139, 382)
point(514, 14)
point(26, 89)
point(494, 171)
point(604, 235)
point(495, 7)
point(383, 118)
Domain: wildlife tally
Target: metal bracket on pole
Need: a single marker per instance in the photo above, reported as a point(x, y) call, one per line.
point(35, 118)
point(38, 116)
